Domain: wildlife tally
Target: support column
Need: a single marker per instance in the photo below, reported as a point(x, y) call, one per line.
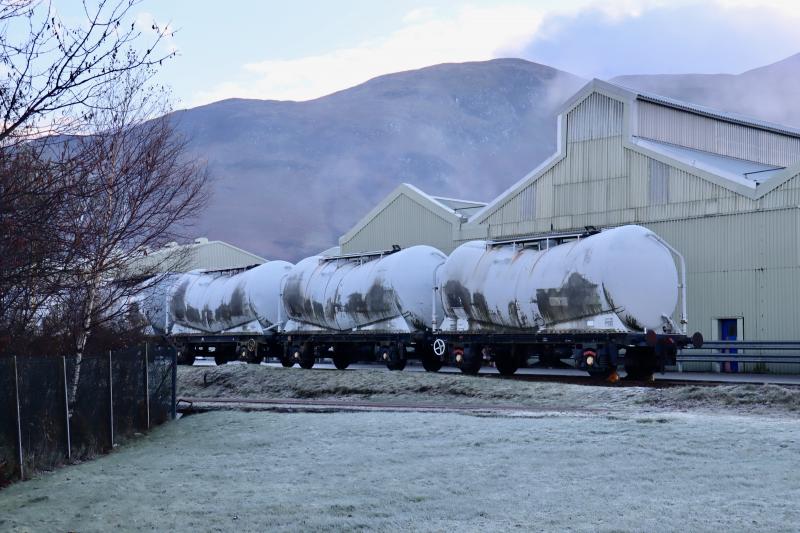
point(66, 408)
point(147, 383)
point(110, 400)
point(19, 422)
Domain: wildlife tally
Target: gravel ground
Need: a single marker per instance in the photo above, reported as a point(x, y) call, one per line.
point(250, 381)
point(235, 471)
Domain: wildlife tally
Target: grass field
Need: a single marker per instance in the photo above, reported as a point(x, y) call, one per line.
point(572, 458)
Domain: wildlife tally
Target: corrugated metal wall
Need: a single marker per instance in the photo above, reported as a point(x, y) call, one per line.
point(742, 255)
point(592, 178)
point(674, 126)
point(741, 265)
point(218, 256)
point(213, 255)
point(404, 222)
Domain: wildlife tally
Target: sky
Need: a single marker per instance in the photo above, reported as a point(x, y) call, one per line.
point(304, 49)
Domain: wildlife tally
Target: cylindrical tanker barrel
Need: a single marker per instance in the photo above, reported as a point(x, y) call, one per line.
point(214, 303)
point(621, 279)
point(386, 292)
point(154, 302)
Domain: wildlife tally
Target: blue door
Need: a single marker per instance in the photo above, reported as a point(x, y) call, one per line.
point(728, 331)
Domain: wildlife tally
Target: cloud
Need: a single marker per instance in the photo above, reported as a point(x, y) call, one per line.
point(474, 34)
point(600, 38)
point(725, 36)
point(422, 13)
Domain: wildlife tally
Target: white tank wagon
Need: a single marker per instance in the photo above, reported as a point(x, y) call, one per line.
point(334, 304)
point(623, 279)
point(620, 281)
point(233, 310)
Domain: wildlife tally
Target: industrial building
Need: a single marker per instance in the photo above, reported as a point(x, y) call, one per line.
point(201, 254)
point(723, 189)
point(408, 216)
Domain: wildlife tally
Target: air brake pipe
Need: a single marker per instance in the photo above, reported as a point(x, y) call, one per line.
point(280, 304)
point(682, 285)
point(435, 296)
point(166, 312)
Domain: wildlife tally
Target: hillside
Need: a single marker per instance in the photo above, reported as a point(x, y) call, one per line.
point(290, 177)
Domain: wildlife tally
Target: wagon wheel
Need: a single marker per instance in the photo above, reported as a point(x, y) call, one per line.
point(431, 362)
point(505, 360)
point(471, 360)
point(307, 356)
point(341, 359)
point(395, 357)
point(640, 363)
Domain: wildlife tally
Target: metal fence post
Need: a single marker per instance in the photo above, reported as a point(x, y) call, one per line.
point(66, 408)
point(19, 422)
point(147, 384)
point(174, 383)
point(110, 399)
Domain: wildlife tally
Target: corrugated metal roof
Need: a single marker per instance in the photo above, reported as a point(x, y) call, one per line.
point(455, 203)
point(462, 207)
point(744, 172)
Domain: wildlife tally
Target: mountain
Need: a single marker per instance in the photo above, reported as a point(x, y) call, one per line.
point(290, 177)
point(770, 93)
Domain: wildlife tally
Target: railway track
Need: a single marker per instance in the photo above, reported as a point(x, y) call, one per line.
point(575, 377)
point(589, 381)
point(661, 380)
point(195, 404)
point(189, 405)
point(198, 405)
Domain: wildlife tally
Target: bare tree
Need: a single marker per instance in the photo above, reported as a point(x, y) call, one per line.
point(54, 78)
point(92, 171)
point(138, 189)
point(56, 75)
point(33, 194)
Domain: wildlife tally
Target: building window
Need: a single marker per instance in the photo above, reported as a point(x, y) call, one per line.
point(527, 206)
point(658, 182)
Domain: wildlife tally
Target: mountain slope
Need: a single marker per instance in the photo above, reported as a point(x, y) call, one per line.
point(770, 93)
point(290, 177)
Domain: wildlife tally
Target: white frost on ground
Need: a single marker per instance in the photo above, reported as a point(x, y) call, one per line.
point(250, 381)
point(572, 457)
point(234, 471)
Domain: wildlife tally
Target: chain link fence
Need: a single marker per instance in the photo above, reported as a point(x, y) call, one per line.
point(118, 395)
